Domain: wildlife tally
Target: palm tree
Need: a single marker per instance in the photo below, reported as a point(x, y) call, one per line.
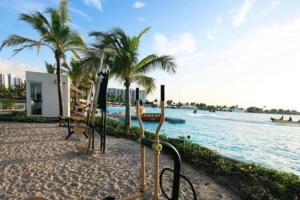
point(51, 69)
point(56, 34)
point(169, 102)
point(76, 73)
point(3, 91)
point(125, 64)
point(20, 90)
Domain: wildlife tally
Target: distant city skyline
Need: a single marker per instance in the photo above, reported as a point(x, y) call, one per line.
point(120, 93)
point(229, 52)
point(10, 80)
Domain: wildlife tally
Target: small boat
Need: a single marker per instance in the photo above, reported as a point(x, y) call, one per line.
point(284, 121)
point(150, 117)
point(155, 117)
point(173, 120)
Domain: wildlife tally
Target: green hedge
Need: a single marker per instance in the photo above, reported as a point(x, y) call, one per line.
point(21, 117)
point(250, 181)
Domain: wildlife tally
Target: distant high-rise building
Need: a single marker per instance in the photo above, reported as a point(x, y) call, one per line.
point(3, 80)
point(117, 93)
point(10, 80)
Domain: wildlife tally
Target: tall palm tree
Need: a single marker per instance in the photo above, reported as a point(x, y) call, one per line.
point(76, 73)
point(55, 33)
point(126, 65)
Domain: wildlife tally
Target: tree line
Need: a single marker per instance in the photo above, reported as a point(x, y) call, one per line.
point(16, 92)
point(272, 111)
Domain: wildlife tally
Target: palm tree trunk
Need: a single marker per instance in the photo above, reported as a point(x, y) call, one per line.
point(60, 101)
point(127, 107)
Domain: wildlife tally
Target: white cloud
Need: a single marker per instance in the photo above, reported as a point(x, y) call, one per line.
point(96, 3)
point(81, 13)
point(260, 68)
point(18, 68)
point(184, 43)
point(139, 4)
point(242, 13)
point(183, 48)
point(210, 34)
point(273, 5)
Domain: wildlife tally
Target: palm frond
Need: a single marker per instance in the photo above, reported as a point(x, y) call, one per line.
point(153, 62)
point(92, 58)
point(15, 40)
point(122, 40)
point(74, 42)
point(38, 21)
point(106, 42)
point(143, 32)
point(148, 83)
point(56, 23)
point(50, 68)
point(64, 11)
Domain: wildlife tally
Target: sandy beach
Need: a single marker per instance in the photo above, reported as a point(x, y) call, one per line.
point(36, 160)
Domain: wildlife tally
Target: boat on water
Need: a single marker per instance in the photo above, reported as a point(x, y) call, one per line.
point(173, 120)
point(284, 121)
point(151, 117)
point(148, 117)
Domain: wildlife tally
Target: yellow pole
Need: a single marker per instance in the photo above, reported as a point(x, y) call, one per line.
point(143, 159)
point(157, 147)
point(95, 102)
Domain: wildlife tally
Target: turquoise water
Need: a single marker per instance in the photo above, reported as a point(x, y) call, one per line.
point(243, 136)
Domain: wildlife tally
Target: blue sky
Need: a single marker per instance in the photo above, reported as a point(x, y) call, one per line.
point(243, 52)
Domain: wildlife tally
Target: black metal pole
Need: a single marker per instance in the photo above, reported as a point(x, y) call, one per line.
point(104, 133)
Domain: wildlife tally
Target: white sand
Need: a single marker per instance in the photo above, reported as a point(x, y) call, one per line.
point(35, 160)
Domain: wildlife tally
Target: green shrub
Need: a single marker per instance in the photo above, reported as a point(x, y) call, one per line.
point(21, 117)
point(7, 104)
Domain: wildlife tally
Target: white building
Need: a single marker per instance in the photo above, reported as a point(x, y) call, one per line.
point(42, 95)
point(120, 93)
point(10, 80)
point(3, 80)
point(14, 80)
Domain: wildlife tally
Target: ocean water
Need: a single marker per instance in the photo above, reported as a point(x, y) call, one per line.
point(248, 137)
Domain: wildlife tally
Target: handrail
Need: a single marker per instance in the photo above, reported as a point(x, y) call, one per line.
point(181, 176)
